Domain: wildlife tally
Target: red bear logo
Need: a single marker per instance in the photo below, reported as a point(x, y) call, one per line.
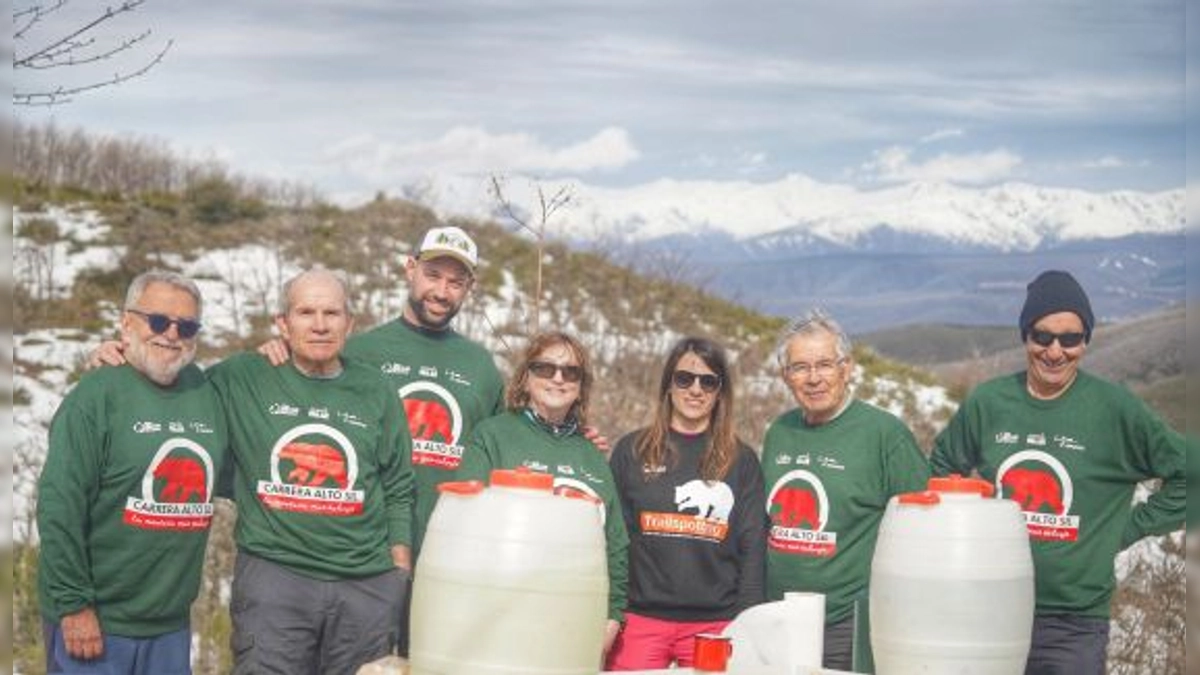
point(427, 419)
point(796, 506)
point(185, 478)
point(1033, 489)
point(315, 464)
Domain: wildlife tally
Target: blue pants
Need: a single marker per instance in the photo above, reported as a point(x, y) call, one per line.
point(166, 654)
point(1067, 645)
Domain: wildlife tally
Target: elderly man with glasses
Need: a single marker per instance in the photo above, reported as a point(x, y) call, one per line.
point(830, 466)
point(125, 496)
point(1071, 448)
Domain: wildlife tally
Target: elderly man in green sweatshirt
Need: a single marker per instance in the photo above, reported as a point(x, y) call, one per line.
point(324, 488)
point(125, 496)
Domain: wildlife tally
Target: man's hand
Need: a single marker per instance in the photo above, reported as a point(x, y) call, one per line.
point(109, 353)
point(598, 439)
point(276, 351)
point(402, 558)
point(82, 636)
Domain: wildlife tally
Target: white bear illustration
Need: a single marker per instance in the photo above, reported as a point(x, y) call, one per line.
point(713, 499)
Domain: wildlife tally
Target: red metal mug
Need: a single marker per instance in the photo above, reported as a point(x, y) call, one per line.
point(712, 653)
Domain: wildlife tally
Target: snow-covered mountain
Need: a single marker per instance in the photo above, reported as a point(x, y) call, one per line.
point(1011, 217)
point(924, 252)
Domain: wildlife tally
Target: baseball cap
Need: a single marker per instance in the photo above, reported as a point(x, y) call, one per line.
point(449, 241)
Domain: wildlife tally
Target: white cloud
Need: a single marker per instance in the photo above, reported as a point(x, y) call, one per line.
point(941, 135)
point(1112, 162)
point(896, 165)
point(473, 150)
point(751, 162)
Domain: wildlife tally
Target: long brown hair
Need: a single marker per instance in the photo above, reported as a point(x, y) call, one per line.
point(653, 448)
point(516, 396)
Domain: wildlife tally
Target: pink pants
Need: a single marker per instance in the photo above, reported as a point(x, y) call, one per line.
point(646, 643)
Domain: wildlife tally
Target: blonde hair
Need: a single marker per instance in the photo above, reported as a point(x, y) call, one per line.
point(516, 396)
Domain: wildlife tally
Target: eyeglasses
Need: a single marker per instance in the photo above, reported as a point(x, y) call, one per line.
point(823, 369)
point(161, 323)
point(546, 371)
point(683, 379)
point(1044, 338)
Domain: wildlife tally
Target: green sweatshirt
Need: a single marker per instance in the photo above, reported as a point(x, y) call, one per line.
point(827, 488)
point(323, 482)
point(1072, 464)
point(125, 499)
point(448, 385)
point(512, 440)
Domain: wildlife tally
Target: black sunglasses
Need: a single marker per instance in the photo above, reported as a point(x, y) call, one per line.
point(683, 379)
point(1044, 338)
point(546, 371)
point(161, 323)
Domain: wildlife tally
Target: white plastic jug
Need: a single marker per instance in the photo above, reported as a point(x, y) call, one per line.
point(951, 583)
point(512, 579)
point(787, 634)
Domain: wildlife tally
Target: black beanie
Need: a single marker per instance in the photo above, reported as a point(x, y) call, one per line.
point(1055, 291)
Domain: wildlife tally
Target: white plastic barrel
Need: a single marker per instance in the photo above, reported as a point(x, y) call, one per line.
point(951, 583)
point(512, 579)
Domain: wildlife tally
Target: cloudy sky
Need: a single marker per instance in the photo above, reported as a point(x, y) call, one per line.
point(356, 96)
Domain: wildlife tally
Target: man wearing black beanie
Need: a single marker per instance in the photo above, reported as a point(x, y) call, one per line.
point(1071, 448)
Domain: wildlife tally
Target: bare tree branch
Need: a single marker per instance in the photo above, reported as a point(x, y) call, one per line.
point(77, 47)
point(548, 206)
point(34, 14)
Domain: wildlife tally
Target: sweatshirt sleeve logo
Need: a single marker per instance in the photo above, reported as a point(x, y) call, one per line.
point(176, 490)
point(314, 468)
point(702, 511)
point(798, 507)
point(1040, 484)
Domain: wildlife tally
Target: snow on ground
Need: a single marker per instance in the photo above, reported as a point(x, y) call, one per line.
point(78, 246)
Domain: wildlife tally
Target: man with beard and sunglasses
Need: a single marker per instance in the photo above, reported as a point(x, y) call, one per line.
point(830, 467)
point(125, 496)
point(1071, 448)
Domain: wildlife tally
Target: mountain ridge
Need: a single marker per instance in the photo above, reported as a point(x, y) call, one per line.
point(1008, 217)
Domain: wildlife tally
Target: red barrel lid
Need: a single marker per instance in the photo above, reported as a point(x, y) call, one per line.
point(956, 483)
point(523, 477)
point(461, 487)
point(953, 483)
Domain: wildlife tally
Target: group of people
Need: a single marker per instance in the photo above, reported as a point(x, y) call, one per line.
point(332, 446)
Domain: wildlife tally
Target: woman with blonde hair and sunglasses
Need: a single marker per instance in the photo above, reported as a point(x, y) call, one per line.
point(547, 400)
point(693, 499)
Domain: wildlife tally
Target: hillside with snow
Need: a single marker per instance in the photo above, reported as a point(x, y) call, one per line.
point(240, 285)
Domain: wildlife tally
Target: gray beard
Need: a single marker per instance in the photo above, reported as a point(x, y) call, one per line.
point(161, 374)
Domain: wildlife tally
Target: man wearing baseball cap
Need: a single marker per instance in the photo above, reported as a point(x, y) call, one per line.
point(1070, 448)
point(448, 383)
